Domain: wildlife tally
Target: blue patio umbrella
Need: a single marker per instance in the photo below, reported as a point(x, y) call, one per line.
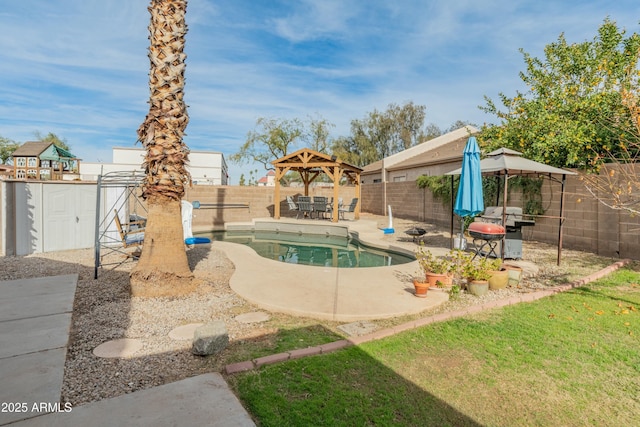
point(469, 200)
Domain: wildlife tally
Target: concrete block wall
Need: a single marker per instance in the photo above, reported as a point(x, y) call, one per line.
point(407, 201)
point(243, 203)
point(589, 225)
point(3, 217)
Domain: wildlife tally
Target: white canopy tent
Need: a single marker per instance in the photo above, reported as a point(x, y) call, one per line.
point(509, 163)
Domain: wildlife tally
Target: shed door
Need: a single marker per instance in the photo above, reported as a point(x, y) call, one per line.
point(69, 217)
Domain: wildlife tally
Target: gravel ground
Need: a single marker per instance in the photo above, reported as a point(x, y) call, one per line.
point(103, 310)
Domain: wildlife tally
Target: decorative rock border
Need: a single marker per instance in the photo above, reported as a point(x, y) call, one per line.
point(337, 345)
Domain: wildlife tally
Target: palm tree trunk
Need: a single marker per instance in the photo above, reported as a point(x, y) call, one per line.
point(163, 268)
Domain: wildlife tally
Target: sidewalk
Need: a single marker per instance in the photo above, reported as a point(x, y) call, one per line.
point(35, 317)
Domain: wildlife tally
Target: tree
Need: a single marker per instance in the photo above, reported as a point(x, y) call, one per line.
point(163, 268)
point(618, 185)
point(381, 134)
point(572, 114)
point(270, 140)
point(317, 134)
point(7, 147)
point(432, 131)
point(53, 138)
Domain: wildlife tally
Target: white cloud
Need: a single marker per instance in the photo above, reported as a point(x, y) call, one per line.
point(79, 68)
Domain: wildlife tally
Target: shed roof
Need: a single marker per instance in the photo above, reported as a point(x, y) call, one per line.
point(31, 149)
point(37, 148)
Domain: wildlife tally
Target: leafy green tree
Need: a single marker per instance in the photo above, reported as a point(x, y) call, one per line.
point(317, 134)
point(572, 114)
point(7, 147)
point(381, 134)
point(431, 131)
point(270, 140)
point(52, 137)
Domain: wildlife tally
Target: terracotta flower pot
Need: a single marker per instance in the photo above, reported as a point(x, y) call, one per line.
point(421, 288)
point(439, 280)
point(499, 279)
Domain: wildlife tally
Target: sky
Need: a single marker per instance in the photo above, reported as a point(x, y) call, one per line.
point(79, 68)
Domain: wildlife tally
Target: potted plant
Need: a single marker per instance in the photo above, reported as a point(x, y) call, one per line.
point(477, 274)
point(438, 271)
point(499, 276)
point(514, 272)
point(421, 286)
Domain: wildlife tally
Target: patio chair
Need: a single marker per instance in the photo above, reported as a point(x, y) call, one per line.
point(320, 206)
point(304, 205)
point(350, 208)
point(293, 206)
point(131, 233)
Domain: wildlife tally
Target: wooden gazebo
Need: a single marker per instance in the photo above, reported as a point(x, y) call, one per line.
point(310, 164)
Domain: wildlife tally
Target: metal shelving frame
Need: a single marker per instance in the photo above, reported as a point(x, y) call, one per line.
point(125, 190)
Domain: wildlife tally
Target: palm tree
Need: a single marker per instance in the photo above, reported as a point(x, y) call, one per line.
point(163, 268)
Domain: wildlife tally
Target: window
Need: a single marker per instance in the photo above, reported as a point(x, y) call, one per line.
point(21, 162)
point(32, 173)
point(32, 162)
point(21, 174)
point(45, 164)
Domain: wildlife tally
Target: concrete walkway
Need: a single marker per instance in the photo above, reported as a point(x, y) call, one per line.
point(35, 317)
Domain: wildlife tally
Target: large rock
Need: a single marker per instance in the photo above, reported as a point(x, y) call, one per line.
point(210, 338)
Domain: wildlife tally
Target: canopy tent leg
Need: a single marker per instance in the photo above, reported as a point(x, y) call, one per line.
point(561, 222)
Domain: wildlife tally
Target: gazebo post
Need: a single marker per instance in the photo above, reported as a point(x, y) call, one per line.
point(356, 213)
point(337, 174)
point(504, 212)
point(276, 197)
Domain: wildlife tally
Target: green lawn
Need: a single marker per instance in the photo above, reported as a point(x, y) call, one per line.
point(568, 360)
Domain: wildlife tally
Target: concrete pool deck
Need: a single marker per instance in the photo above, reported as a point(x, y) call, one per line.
point(329, 293)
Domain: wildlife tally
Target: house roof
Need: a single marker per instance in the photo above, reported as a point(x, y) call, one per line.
point(31, 149)
point(449, 152)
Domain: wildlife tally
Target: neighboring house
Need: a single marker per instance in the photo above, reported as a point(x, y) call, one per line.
point(44, 161)
point(434, 157)
point(205, 167)
point(6, 171)
point(269, 180)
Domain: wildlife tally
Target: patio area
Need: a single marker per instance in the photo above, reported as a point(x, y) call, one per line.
point(341, 294)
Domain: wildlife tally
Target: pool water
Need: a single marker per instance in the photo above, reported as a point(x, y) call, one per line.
point(312, 249)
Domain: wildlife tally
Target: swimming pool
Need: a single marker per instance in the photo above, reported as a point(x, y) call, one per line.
point(312, 249)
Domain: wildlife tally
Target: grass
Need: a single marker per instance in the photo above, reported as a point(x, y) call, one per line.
point(572, 360)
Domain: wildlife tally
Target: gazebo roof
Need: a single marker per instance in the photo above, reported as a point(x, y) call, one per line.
point(308, 159)
point(505, 160)
point(310, 164)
